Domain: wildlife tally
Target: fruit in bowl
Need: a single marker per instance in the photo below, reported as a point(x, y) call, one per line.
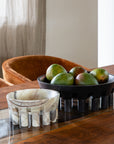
point(77, 70)
point(85, 79)
point(100, 74)
point(86, 85)
point(63, 79)
point(53, 70)
point(57, 75)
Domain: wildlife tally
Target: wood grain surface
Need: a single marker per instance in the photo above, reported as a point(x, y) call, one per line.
point(98, 129)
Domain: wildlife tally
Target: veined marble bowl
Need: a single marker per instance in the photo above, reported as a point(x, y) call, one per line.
point(33, 107)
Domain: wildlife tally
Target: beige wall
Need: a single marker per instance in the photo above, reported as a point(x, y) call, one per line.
point(71, 30)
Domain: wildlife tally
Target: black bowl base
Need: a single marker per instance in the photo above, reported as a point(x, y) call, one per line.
point(86, 105)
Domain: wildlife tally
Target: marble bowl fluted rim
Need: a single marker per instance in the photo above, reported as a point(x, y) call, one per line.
point(34, 102)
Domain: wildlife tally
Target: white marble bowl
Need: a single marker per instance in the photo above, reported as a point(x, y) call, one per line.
point(33, 107)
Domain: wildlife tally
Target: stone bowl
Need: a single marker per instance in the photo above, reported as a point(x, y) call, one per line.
point(79, 91)
point(33, 107)
point(99, 96)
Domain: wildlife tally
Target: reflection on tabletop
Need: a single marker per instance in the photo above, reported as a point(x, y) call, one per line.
point(11, 134)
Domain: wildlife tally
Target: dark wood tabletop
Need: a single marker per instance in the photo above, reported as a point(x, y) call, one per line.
point(97, 129)
point(94, 128)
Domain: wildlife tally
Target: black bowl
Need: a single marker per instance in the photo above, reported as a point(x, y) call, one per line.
point(77, 91)
point(82, 93)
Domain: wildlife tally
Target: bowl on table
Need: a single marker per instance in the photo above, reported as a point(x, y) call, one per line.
point(31, 106)
point(101, 94)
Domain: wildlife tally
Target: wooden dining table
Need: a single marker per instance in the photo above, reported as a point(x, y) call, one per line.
point(93, 128)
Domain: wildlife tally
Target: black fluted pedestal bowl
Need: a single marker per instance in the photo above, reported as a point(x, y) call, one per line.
point(92, 97)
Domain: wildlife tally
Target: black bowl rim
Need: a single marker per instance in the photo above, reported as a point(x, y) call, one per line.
point(78, 86)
